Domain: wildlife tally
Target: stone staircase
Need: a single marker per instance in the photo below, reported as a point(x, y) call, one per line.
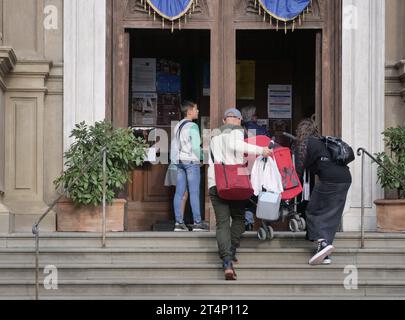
point(186, 266)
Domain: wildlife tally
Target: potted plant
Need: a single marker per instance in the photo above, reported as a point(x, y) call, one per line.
point(82, 180)
point(391, 210)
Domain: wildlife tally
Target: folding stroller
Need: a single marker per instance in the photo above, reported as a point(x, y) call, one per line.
point(292, 189)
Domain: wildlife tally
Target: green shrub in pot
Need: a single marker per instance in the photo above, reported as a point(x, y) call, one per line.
point(124, 153)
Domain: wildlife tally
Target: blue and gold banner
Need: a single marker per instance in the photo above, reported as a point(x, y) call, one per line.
point(171, 10)
point(284, 10)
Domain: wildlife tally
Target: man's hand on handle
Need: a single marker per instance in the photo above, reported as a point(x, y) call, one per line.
point(267, 152)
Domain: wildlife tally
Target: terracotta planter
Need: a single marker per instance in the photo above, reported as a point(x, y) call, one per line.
point(71, 218)
point(390, 215)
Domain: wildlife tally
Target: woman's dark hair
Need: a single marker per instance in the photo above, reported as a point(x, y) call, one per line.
point(307, 128)
point(186, 106)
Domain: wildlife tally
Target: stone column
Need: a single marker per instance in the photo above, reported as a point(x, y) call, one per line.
point(363, 99)
point(84, 63)
point(7, 63)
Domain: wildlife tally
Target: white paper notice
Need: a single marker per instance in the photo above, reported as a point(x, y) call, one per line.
point(151, 155)
point(144, 108)
point(144, 75)
point(280, 101)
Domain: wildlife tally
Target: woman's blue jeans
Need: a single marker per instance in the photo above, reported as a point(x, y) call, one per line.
point(188, 175)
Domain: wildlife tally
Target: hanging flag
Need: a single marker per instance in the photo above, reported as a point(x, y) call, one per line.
point(171, 10)
point(284, 10)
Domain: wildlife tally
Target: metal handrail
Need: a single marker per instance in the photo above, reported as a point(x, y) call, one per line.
point(361, 152)
point(35, 228)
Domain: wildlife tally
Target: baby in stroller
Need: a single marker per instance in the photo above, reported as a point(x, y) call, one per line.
point(277, 187)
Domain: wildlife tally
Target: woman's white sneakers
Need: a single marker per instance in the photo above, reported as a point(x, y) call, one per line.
point(324, 250)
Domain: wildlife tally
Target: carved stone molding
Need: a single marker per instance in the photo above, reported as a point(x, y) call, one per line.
point(401, 70)
point(395, 80)
point(8, 60)
point(54, 82)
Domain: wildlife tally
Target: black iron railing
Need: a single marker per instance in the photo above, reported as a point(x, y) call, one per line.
point(35, 228)
point(363, 152)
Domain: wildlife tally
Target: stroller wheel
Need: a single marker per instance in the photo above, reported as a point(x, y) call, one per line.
point(270, 234)
point(262, 234)
point(303, 224)
point(293, 225)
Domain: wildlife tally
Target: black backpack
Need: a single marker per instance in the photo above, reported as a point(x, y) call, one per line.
point(341, 153)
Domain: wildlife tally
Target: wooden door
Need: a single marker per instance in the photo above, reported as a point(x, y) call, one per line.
point(325, 20)
point(149, 200)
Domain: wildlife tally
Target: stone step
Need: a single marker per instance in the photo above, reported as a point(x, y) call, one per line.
point(202, 272)
point(207, 298)
point(263, 289)
point(56, 257)
point(192, 240)
point(187, 266)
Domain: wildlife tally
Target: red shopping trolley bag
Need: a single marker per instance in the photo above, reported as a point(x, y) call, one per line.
point(291, 182)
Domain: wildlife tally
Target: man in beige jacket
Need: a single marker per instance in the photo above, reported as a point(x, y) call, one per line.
point(229, 147)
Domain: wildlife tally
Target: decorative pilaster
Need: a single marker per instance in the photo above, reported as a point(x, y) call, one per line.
point(24, 132)
point(8, 60)
point(363, 99)
point(84, 63)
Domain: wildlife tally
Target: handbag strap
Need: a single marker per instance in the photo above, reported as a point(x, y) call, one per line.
point(212, 155)
point(181, 127)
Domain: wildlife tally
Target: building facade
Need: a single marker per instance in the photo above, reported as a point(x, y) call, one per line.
point(63, 62)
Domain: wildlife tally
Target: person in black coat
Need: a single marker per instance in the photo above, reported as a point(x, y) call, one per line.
point(328, 199)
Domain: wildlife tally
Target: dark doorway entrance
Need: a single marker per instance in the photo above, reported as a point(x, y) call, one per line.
point(277, 58)
point(181, 62)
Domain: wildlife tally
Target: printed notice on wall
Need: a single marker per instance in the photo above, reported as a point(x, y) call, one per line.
point(246, 79)
point(144, 75)
point(144, 108)
point(280, 101)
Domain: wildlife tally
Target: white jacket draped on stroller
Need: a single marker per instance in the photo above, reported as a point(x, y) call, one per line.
point(265, 175)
